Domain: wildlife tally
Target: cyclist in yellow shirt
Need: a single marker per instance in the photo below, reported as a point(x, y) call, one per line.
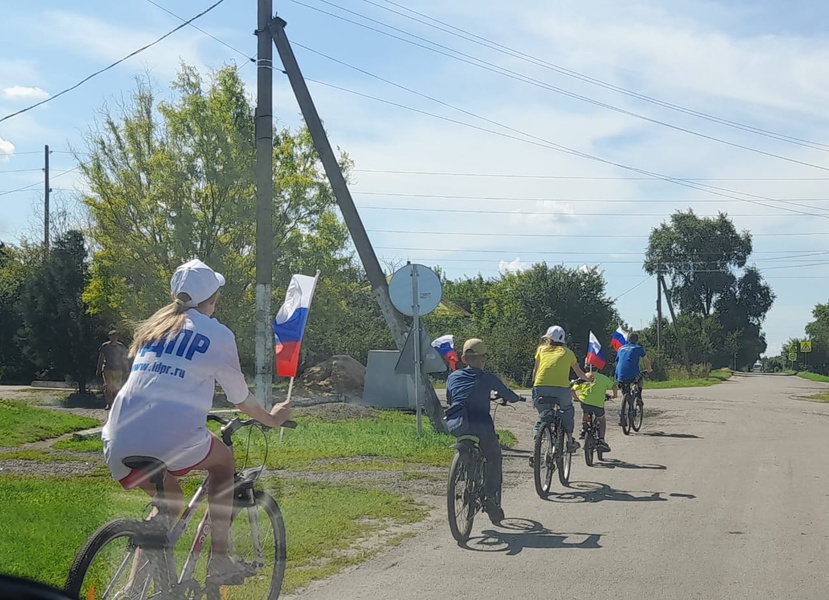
point(551, 381)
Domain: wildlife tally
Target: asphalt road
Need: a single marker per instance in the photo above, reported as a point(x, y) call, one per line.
point(723, 494)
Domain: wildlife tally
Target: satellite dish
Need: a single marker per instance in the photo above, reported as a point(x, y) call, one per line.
point(415, 286)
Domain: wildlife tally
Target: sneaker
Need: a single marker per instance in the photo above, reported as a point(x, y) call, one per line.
point(223, 570)
point(603, 446)
point(639, 402)
point(495, 512)
point(573, 446)
point(582, 434)
point(532, 461)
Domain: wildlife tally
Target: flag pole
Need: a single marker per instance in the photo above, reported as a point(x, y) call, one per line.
point(291, 382)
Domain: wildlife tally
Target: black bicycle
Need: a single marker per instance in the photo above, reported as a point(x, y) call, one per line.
point(465, 491)
point(592, 437)
point(136, 560)
point(633, 410)
point(550, 454)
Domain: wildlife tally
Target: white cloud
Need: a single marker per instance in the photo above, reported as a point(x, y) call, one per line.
point(20, 92)
point(6, 150)
point(515, 266)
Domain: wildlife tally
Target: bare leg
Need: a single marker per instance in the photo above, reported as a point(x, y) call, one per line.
point(220, 466)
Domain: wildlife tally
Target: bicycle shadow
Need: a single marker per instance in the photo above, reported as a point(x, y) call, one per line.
point(591, 491)
point(614, 463)
point(682, 436)
point(517, 534)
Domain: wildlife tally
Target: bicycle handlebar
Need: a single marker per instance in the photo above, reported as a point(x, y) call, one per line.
point(500, 400)
point(231, 426)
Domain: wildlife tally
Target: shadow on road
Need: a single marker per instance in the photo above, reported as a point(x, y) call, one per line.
point(591, 491)
point(613, 463)
point(514, 535)
point(689, 436)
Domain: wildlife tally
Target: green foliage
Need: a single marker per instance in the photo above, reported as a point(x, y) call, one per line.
point(61, 336)
point(16, 263)
point(173, 179)
point(722, 302)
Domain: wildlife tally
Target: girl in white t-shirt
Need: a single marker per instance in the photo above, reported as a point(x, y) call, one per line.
point(179, 353)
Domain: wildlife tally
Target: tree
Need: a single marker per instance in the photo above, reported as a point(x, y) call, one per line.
point(173, 180)
point(15, 265)
point(723, 303)
point(62, 337)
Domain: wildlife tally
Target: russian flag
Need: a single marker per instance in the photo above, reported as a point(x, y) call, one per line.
point(289, 324)
point(594, 353)
point(619, 339)
point(445, 346)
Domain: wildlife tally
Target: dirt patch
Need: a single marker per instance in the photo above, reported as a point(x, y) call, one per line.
point(339, 375)
point(49, 469)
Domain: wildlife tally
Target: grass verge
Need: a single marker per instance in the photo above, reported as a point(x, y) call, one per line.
point(819, 397)
point(713, 378)
point(48, 520)
point(21, 424)
point(813, 377)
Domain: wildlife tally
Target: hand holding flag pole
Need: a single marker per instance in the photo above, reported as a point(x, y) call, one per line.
point(289, 326)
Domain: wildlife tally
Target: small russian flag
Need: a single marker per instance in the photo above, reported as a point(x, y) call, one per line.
point(594, 353)
point(445, 346)
point(289, 324)
point(619, 339)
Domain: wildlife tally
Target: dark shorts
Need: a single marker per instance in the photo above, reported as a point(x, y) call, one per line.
point(589, 409)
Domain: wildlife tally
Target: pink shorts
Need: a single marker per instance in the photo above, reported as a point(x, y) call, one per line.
point(138, 476)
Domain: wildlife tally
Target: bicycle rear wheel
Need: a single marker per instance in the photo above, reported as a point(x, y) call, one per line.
point(460, 497)
point(626, 413)
point(544, 461)
point(638, 416)
point(564, 459)
point(257, 542)
point(111, 567)
point(589, 448)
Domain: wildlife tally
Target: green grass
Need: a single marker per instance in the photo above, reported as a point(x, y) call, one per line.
point(820, 397)
point(713, 378)
point(91, 445)
point(45, 521)
point(20, 424)
point(813, 377)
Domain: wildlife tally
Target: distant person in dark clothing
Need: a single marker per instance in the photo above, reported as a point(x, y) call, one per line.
point(113, 366)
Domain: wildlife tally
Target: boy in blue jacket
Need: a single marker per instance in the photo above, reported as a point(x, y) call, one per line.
point(468, 393)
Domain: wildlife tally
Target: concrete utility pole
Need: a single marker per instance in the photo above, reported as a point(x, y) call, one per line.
point(46, 190)
point(374, 271)
point(679, 339)
point(263, 127)
point(659, 312)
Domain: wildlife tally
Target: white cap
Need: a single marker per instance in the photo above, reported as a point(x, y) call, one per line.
point(555, 334)
point(197, 280)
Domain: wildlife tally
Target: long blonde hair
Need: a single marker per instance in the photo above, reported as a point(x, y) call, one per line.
point(164, 323)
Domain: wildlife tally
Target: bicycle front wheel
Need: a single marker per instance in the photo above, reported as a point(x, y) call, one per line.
point(257, 541)
point(544, 461)
point(111, 566)
point(460, 494)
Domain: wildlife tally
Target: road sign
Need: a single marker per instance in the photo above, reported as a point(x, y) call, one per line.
point(431, 361)
point(792, 356)
point(415, 284)
point(806, 347)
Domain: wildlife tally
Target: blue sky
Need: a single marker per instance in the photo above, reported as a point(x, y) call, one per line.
point(762, 64)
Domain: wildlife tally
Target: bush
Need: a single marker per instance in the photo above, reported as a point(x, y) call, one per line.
point(676, 372)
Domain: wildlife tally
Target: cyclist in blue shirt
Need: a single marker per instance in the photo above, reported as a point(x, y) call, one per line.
point(627, 363)
point(468, 395)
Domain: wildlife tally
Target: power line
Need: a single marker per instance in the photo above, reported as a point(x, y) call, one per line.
point(648, 278)
point(560, 214)
point(579, 177)
point(572, 235)
point(21, 189)
point(482, 64)
point(582, 77)
point(537, 199)
point(116, 63)
point(543, 143)
point(208, 34)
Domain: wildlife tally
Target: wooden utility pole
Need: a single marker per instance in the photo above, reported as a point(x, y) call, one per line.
point(679, 339)
point(374, 271)
point(46, 190)
point(263, 130)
